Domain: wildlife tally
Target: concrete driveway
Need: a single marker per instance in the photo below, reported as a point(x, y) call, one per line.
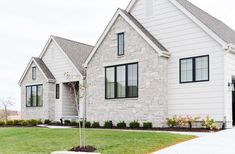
point(215, 143)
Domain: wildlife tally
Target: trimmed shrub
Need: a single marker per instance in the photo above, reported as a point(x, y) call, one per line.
point(95, 125)
point(32, 122)
point(147, 125)
point(47, 121)
point(108, 124)
point(134, 125)
point(74, 123)
point(10, 122)
point(67, 122)
point(2, 123)
point(88, 124)
point(25, 123)
point(121, 125)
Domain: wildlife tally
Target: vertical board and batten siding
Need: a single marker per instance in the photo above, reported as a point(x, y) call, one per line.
point(184, 38)
point(68, 105)
point(58, 64)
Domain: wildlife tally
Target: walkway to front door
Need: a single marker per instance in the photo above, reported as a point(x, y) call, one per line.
point(215, 143)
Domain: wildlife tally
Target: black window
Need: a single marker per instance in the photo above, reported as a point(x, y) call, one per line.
point(34, 73)
point(57, 91)
point(120, 44)
point(194, 69)
point(34, 96)
point(121, 81)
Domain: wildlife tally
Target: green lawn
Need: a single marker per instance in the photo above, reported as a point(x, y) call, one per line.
point(44, 141)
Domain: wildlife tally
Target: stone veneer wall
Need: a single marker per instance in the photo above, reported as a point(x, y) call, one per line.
point(47, 111)
point(151, 105)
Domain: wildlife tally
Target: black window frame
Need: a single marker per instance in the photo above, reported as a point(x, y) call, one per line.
point(126, 78)
point(37, 100)
point(34, 72)
point(57, 91)
point(194, 69)
point(118, 47)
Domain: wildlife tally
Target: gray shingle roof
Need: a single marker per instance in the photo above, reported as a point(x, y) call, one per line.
point(77, 52)
point(222, 30)
point(145, 31)
point(44, 68)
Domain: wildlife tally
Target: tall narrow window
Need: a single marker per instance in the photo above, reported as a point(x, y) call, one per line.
point(187, 70)
point(57, 91)
point(195, 69)
point(110, 82)
point(34, 73)
point(120, 44)
point(34, 96)
point(132, 80)
point(121, 81)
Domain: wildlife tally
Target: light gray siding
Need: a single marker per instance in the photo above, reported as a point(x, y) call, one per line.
point(184, 38)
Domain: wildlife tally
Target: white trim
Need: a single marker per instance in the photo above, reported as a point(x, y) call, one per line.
point(28, 67)
point(121, 62)
point(192, 17)
point(116, 15)
point(130, 5)
point(46, 47)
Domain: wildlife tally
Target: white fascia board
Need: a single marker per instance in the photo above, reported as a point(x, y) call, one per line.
point(130, 5)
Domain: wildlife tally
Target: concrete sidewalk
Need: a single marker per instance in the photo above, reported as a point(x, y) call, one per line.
point(215, 143)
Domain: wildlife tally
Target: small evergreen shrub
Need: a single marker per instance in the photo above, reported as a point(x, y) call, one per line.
point(171, 122)
point(32, 122)
point(73, 123)
point(2, 123)
point(88, 124)
point(10, 122)
point(47, 121)
point(121, 125)
point(17, 122)
point(134, 125)
point(25, 123)
point(108, 124)
point(95, 125)
point(67, 122)
point(147, 125)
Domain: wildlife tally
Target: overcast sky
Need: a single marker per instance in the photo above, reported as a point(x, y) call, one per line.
point(25, 26)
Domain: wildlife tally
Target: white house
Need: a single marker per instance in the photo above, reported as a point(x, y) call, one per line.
point(156, 59)
point(45, 93)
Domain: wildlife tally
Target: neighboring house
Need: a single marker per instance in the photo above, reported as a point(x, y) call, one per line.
point(45, 93)
point(156, 59)
point(160, 58)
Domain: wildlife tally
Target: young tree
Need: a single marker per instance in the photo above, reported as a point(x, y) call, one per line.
point(5, 104)
point(78, 93)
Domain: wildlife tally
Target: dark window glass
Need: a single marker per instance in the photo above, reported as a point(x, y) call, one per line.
point(34, 73)
point(194, 69)
point(120, 44)
point(57, 91)
point(34, 96)
point(132, 80)
point(110, 84)
point(121, 81)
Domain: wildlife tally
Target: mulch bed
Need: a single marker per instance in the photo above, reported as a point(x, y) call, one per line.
point(170, 129)
point(87, 148)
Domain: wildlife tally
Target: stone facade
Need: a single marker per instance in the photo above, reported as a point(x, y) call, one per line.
point(47, 111)
point(151, 105)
